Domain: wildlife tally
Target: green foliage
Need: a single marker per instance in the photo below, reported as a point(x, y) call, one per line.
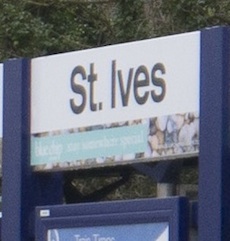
point(130, 21)
point(196, 14)
point(20, 34)
point(32, 28)
point(137, 186)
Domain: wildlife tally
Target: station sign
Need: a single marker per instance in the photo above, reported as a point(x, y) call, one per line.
point(114, 105)
point(150, 220)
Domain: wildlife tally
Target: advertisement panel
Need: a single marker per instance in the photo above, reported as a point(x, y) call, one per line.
point(118, 104)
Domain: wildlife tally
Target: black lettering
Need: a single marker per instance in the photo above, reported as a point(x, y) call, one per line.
point(159, 82)
point(125, 92)
point(91, 78)
point(113, 100)
point(141, 79)
point(78, 89)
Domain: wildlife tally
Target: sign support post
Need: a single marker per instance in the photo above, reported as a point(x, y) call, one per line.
point(22, 189)
point(214, 161)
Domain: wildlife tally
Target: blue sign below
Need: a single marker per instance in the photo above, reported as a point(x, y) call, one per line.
point(134, 232)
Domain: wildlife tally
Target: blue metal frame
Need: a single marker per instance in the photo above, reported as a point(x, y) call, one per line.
point(22, 189)
point(175, 211)
point(214, 161)
point(15, 149)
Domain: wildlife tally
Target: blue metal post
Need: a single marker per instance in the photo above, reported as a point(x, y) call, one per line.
point(214, 161)
point(22, 189)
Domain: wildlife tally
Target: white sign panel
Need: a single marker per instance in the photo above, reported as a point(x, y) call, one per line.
point(116, 104)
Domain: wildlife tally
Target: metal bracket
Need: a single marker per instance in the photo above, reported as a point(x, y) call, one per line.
point(162, 172)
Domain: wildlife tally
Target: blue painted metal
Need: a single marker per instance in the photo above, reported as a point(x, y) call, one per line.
point(172, 210)
point(162, 172)
point(214, 161)
point(22, 189)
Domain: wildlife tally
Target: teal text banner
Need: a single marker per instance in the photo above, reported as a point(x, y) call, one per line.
point(99, 143)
